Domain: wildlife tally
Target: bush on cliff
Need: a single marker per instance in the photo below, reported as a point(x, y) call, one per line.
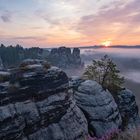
point(4, 76)
point(133, 134)
point(105, 72)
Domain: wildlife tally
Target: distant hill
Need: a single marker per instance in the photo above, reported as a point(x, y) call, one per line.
point(115, 46)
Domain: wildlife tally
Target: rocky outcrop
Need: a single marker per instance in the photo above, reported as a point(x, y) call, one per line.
point(128, 109)
point(39, 102)
point(64, 58)
point(1, 64)
point(76, 57)
point(36, 105)
point(99, 108)
point(4, 75)
point(75, 81)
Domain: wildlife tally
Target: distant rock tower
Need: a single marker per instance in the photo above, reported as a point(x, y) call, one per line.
point(65, 58)
point(1, 64)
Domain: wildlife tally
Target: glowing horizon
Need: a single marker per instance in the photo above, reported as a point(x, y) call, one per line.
point(55, 23)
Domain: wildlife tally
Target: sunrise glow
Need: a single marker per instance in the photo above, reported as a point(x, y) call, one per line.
point(106, 43)
point(51, 23)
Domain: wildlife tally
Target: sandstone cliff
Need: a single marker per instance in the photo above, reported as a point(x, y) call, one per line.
point(99, 108)
point(104, 113)
point(38, 102)
point(36, 105)
point(1, 64)
point(65, 58)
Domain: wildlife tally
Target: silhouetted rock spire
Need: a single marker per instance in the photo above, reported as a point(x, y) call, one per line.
point(65, 58)
point(1, 64)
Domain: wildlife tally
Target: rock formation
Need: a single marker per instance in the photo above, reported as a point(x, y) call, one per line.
point(64, 58)
point(38, 102)
point(99, 108)
point(4, 75)
point(1, 64)
point(36, 105)
point(76, 59)
point(128, 109)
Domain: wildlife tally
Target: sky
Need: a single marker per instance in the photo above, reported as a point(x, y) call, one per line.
point(54, 23)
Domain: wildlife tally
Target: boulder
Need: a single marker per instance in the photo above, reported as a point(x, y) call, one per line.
point(99, 108)
point(128, 109)
point(36, 105)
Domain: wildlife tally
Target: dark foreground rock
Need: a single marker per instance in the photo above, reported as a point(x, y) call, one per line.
point(99, 108)
point(36, 105)
point(128, 109)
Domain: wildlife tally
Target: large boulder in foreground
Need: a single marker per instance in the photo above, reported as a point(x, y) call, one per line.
point(99, 108)
point(36, 105)
point(128, 109)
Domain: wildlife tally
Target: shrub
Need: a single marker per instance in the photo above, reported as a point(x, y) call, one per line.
point(4, 76)
point(46, 65)
point(128, 135)
point(105, 72)
point(108, 136)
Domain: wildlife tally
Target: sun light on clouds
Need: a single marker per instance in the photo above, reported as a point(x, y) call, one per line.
point(106, 43)
point(48, 23)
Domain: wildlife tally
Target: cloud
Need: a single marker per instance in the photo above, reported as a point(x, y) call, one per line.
point(29, 38)
point(36, 27)
point(65, 21)
point(46, 16)
point(112, 21)
point(11, 37)
point(6, 16)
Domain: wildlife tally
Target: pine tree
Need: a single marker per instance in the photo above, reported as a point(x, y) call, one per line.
point(105, 72)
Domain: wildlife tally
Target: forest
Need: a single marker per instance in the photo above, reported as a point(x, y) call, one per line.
point(13, 55)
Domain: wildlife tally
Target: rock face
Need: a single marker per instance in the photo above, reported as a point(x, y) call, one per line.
point(64, 58)
point(76, 56)
point(1, 64)
point(99, 108)
point(75, 81)
point(36, 105)
point(4, 75)
point(128, 109)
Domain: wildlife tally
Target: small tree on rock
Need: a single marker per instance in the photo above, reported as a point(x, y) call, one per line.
point(105, 72)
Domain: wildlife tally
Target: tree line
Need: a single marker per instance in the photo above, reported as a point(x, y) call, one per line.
point(12, 55)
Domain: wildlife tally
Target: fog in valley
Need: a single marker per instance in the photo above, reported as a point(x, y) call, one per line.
point(127, 60)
